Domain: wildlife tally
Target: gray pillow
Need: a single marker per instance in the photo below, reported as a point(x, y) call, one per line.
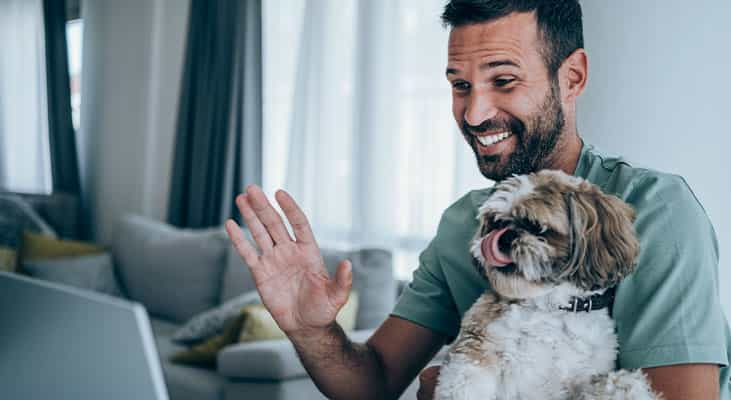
point(92, 272)
point(373, 279)
point(174, 273)
point(211, 322)
point(16, 212)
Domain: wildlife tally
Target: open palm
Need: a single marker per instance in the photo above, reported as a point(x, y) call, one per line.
point(290, 275)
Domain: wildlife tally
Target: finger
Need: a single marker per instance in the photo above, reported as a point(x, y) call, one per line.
point(257, 229)
point(267, 214)
point(296, 218)
point(343, 282)
point(242, 245)
point(429, 374)
point(427, 382)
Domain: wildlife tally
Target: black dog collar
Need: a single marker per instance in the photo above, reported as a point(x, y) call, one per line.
point(595, 302)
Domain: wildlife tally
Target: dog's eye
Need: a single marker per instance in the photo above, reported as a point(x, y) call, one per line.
point(533, 227)
point(496, 223)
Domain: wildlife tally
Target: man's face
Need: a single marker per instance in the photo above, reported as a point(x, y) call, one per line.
point(507, 106)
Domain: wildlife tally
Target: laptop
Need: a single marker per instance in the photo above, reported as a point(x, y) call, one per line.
point(58, 342)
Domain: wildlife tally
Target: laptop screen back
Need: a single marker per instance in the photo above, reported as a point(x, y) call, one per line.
point(57, 342)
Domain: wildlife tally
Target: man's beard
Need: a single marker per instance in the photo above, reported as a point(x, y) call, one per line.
point(534, 149)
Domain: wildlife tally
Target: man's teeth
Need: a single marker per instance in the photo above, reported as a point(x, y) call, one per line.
point(492, 139)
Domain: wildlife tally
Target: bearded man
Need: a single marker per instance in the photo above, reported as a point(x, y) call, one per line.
point(516, 68)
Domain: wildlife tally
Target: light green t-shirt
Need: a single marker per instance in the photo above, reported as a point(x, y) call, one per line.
point(667, 312)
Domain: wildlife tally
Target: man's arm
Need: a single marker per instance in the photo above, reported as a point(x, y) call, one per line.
point(295, 287)
point(686, 381)
point(380, 368)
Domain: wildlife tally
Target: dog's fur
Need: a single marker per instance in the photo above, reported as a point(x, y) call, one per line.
point(568, 239)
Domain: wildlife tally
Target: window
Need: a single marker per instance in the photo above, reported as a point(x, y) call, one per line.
point(24, 149)
point(25, 164)
point(383, 179)
point(74, 35)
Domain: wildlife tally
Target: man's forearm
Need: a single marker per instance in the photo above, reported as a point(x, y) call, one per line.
point(340, 368)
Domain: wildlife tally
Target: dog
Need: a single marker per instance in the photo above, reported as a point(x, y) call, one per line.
point(552, 247)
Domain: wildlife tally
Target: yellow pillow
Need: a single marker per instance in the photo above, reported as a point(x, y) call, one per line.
point(258, 324)
point(8, 259)
point(38, 247)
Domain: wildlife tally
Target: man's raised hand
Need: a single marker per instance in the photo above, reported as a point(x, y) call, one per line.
point(290, 274)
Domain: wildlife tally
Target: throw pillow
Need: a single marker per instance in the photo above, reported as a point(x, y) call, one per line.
point(258, 324)
point(40, 247)
point(174, 273)
point(211, 322)
point(205, 354)
point(252, 323)
point(21, 215)
point(92, 272)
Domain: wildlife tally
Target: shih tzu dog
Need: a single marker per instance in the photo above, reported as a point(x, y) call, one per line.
point(553, 247)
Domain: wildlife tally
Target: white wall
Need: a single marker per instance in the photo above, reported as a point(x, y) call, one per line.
point(133, 53)
point(659, 88)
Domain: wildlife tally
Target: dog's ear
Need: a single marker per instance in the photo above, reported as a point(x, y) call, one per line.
point(603, 243)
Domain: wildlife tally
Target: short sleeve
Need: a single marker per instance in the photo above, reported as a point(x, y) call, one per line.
point(668, 311)
point(427, 301)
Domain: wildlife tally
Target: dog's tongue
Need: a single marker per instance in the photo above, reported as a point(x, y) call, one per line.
point(491, 251)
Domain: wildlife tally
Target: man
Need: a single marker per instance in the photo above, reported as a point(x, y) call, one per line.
point(516, 68)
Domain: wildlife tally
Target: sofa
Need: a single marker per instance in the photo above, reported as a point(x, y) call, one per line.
point(153, 262)
point(179, 273)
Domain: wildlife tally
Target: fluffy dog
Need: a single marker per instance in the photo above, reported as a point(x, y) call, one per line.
point(553, 247)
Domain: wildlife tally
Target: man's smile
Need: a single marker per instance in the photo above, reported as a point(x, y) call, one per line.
point(488, 143)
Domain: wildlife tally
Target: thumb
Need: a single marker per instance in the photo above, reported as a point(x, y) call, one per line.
point(343, 281)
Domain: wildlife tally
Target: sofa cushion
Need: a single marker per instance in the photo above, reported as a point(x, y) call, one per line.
point(92, 272)
point(174, 273)
point(268, 359)
point(184, 382)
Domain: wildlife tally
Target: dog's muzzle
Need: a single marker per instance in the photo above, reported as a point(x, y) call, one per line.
point(496, 247)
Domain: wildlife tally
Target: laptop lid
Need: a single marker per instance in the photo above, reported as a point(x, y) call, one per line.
point(58, 342)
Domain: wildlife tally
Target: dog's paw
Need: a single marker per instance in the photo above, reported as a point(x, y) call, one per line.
point(462, 379)
point(617, 385)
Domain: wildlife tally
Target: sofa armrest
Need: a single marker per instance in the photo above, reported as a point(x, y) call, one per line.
point(268, 359)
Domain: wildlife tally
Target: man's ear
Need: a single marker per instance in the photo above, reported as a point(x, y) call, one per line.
point(573, 75)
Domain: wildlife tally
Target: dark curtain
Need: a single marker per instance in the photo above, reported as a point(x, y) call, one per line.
point(62, 140)
point(218, 141)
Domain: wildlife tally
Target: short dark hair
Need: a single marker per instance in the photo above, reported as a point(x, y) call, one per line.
point(559, 22)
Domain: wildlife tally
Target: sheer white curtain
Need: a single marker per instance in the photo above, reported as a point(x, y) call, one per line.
point(357, 120)
point(24, 154)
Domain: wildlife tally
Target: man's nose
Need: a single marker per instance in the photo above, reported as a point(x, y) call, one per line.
point(480, 107)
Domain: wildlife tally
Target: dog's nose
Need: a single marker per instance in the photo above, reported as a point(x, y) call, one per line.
point(505, 242)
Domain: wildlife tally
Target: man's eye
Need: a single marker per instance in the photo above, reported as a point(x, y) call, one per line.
point(461, 85)
point(502, 82)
